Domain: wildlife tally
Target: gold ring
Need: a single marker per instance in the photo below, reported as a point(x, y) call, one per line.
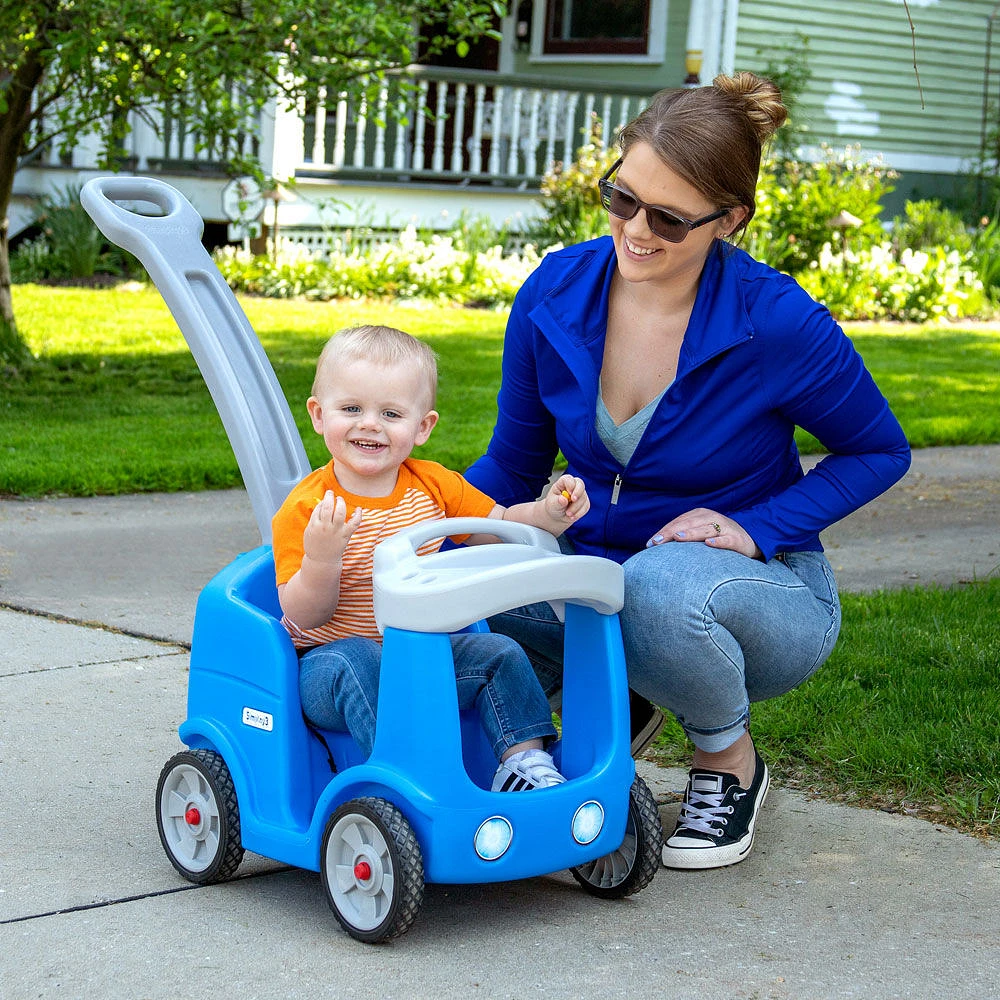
point(718, 527)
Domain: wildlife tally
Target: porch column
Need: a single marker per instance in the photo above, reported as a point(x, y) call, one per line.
point(695, 49)
point(282, 138)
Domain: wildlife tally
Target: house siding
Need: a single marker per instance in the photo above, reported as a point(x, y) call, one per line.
point(864, 90)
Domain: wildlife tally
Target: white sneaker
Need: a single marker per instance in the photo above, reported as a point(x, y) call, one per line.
point(526, 770)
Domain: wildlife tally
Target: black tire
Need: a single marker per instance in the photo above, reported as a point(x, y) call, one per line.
point(198, 817)
point(633, 865)
point(372, 869)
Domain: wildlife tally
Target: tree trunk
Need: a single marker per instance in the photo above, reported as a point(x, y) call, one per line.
point(14, 123)
point(13, 350)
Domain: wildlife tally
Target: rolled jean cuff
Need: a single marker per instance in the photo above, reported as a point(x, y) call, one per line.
point(537, 731)
point(717, 740)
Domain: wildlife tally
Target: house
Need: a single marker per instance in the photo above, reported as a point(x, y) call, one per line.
point(476, 135)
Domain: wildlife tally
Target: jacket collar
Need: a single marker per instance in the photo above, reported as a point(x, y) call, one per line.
point(573, 314)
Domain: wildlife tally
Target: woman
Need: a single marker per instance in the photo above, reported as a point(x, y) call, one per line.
point(671, 369)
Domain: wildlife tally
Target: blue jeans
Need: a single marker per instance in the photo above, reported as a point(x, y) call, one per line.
point(338, 685)
point(706, 632)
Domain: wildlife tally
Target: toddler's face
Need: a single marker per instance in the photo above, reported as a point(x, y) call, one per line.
point(371, 417)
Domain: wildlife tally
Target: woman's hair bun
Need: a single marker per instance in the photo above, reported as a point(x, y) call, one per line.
point(760, 98)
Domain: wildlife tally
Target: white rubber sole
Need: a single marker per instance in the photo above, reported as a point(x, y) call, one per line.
point(700, 858)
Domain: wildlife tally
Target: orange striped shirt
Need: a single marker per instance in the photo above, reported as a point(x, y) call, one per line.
point(424, 491)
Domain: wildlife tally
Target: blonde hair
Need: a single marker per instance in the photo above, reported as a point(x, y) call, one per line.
point(381, 345)
point(713, 136)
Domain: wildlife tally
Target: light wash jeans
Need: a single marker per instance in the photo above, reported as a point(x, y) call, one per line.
point(338, 685)
point(706, 632)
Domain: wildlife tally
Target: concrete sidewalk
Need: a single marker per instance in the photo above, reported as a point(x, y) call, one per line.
point(834, 902)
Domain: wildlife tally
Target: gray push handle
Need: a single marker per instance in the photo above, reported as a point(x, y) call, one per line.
point(446, 591)
point(254, 411)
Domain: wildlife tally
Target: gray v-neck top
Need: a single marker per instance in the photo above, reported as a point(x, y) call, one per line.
point(621, 439)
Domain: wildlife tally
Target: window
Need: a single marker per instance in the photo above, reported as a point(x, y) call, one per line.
point(596, 27)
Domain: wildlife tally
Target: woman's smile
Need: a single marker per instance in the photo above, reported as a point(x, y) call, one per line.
point(637, 250)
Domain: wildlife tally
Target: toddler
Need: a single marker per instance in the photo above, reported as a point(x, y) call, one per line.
point(372, 401)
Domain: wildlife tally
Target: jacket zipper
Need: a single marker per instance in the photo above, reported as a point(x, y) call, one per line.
point(616, 489)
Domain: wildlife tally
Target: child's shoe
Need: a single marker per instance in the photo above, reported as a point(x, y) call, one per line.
point(526, 770)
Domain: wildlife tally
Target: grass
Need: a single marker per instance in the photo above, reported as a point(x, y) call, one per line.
point(904, 714)
point(902, 717)
point(117, 405)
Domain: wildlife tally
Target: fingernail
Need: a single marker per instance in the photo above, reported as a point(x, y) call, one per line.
point(681, 534)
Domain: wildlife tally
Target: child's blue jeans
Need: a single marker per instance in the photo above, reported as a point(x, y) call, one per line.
point(706, 632)
point(338, 684)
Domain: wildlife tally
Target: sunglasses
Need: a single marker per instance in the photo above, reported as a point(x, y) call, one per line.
point(661, 221)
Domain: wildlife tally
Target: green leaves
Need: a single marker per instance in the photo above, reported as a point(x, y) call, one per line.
point(69, 67)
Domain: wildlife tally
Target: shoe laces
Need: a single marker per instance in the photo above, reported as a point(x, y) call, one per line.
point(702, 817)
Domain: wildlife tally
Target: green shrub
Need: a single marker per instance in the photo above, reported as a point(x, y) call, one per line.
point(571, 204)
point(914, 286)
point(797, 203)
point(76, 245)
point(787, 65)
point(31, 260)
point(69, 245)
point(855, 270)
point(407, 267)
point(926, 224)
point(986, 252)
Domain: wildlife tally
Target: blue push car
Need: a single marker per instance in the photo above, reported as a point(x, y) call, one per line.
point(256, 777)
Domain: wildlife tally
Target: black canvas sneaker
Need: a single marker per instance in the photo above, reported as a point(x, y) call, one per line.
point(717, 820)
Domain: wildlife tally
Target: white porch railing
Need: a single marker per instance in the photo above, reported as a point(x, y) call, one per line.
point(435, 127)
point(459, 125)
point(427, 123)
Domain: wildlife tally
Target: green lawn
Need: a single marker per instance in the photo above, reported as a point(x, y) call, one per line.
point(117, 405)
point(904, 715)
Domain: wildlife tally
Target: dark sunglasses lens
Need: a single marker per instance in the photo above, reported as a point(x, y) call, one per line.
point(668, 227)
point(621, 204)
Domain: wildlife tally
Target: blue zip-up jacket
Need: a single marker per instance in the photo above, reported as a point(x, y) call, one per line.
point(759, 357)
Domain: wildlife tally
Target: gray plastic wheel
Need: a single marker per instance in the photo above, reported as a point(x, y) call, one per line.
point(372, 869)
point(633, 865)
point(198, 817)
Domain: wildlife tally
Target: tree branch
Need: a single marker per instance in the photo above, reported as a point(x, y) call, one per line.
point(913, 38)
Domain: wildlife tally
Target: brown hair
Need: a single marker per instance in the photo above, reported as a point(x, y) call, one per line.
point(382, 345)
point(713, 136)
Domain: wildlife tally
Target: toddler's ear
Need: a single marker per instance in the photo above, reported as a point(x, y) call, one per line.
point(427, 423)
point(315, 409)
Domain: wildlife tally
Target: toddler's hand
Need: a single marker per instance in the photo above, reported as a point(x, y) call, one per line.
point(567, 500)
point(329, 529)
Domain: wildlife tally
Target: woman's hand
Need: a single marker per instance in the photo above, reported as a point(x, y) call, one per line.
point(710, 527)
